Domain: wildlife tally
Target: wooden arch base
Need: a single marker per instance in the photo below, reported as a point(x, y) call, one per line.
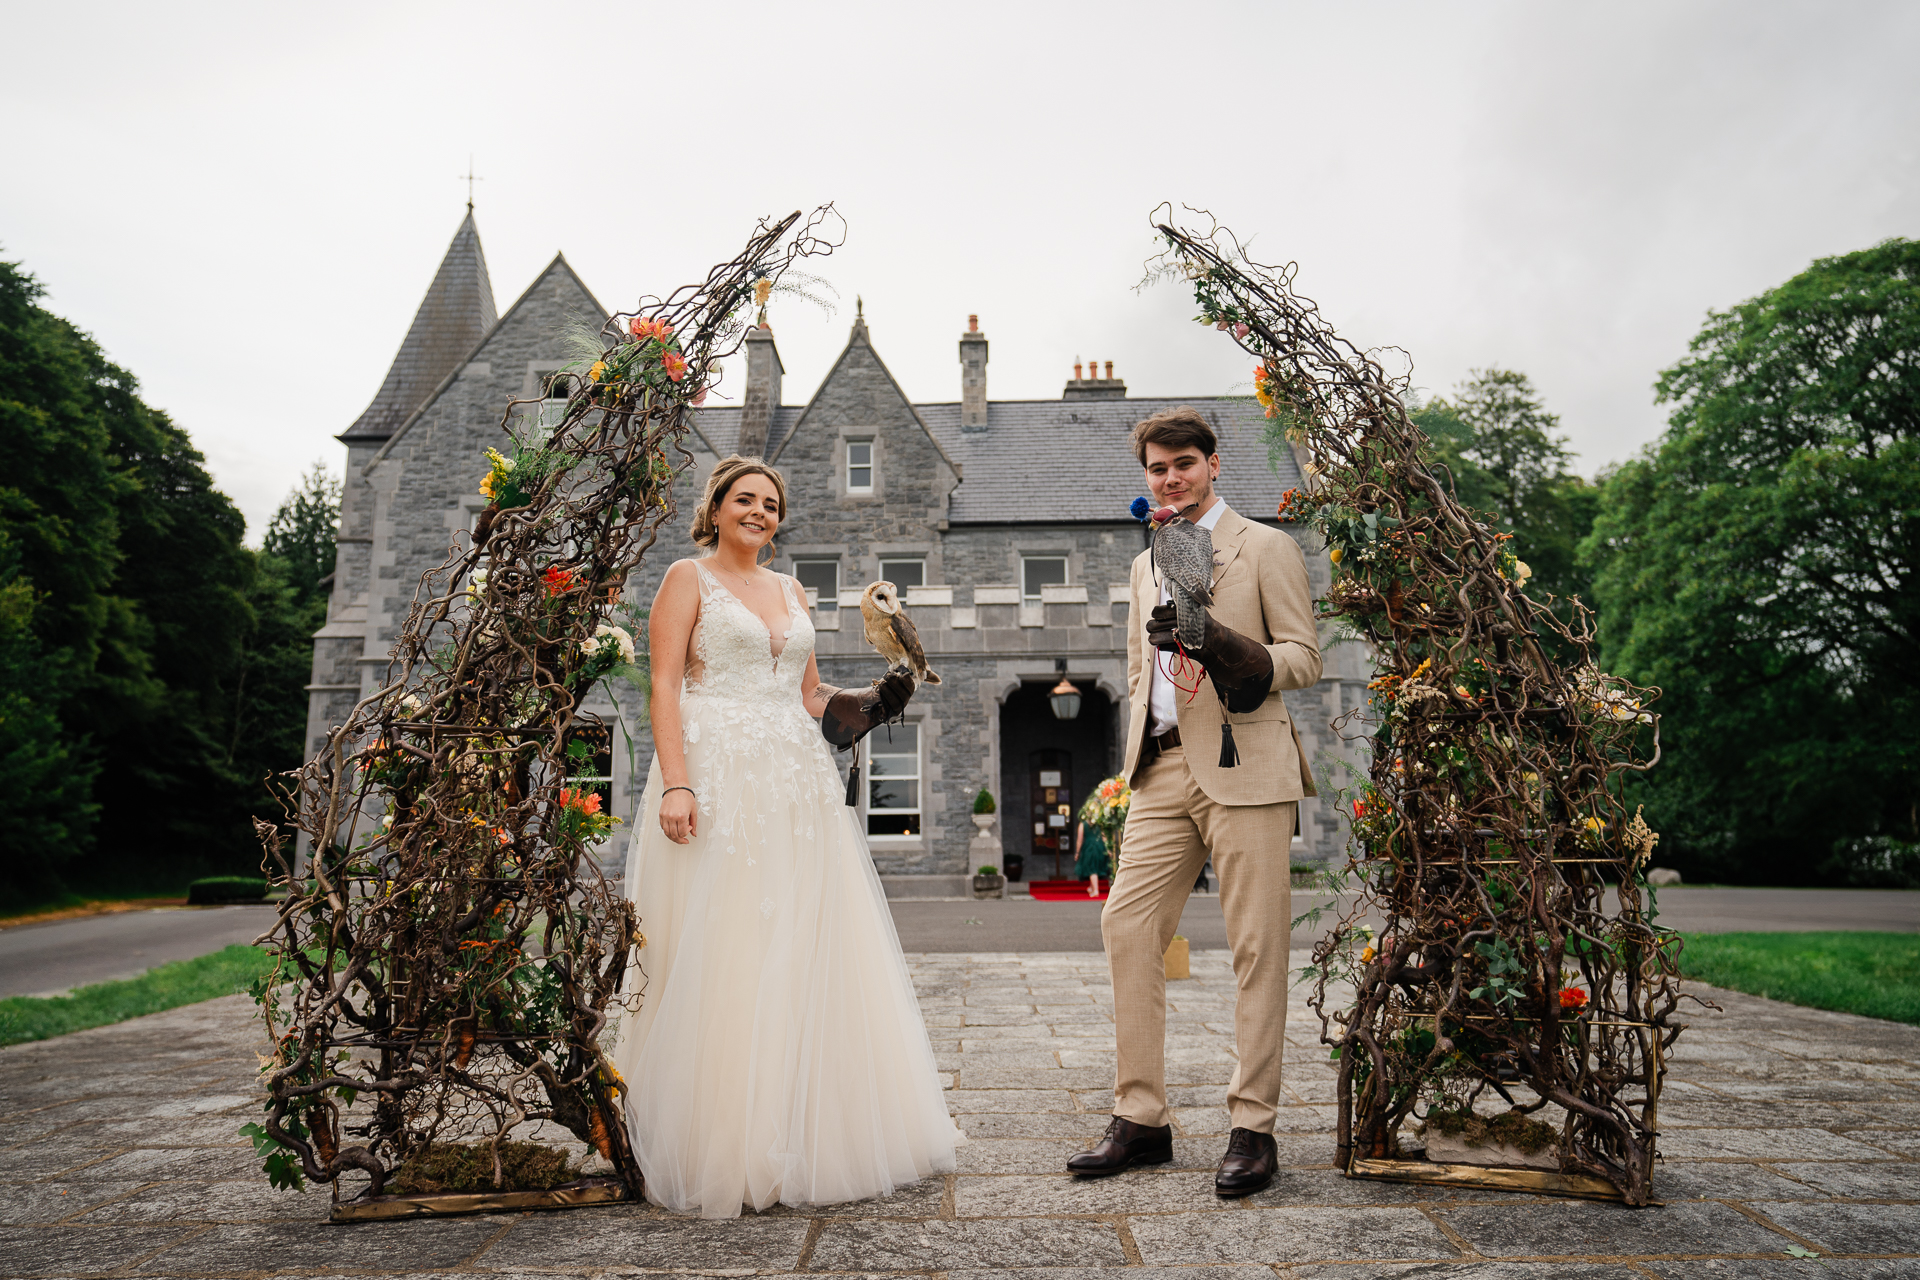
point(573, 1195)
point(1579, 1186)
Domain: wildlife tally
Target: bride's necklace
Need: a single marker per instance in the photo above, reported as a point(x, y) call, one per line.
point(745, 582)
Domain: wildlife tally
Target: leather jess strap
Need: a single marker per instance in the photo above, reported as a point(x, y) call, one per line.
point(1168, 740)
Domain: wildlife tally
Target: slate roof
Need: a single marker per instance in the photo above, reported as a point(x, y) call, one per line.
point(1048, 461)
point(456, 313)
point(720, 426)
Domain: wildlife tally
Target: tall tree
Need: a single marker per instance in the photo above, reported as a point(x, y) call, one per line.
point(1758, 563)
point(289, 600)
point(138, 616)
point(1507, 459)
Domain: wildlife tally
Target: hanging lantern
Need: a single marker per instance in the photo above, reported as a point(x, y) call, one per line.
point(1065, 699)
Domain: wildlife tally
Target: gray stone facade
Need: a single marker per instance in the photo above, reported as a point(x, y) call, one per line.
point(971, 489)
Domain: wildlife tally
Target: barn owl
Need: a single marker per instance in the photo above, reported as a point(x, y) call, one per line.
point(891, 632)
point(1183, 553)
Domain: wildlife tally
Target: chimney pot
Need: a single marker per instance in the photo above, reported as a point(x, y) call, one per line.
point(1076, 371)
point(1109, 371)
point(973, 324)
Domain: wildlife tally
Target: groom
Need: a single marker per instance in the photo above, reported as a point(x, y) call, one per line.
point(1189, 804)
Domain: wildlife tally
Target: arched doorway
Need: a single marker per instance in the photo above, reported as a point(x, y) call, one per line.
point(1047, 767)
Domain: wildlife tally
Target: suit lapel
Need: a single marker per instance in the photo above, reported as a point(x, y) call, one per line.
point(1228, 536)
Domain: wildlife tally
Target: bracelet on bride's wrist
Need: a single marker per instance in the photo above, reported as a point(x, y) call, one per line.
point(689, 790)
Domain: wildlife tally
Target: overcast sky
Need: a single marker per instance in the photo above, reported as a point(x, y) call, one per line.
point(244, 203)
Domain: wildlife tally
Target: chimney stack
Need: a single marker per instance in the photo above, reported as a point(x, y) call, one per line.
point(762, 395)
point(973, 377)
point(1092, 386)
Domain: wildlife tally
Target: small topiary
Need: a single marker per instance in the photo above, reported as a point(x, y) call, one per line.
point(226, 889)
point(983, 803)
point(988, 871)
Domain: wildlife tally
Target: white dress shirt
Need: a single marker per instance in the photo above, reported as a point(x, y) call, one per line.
point(1163, 706)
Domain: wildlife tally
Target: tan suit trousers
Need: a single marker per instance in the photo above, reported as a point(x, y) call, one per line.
point(1171, 828)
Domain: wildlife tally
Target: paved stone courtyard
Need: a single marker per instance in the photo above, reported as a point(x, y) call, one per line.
point(1785, 1129)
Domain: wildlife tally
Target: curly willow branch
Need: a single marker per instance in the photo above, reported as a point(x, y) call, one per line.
point(452, 956)
point(1490, 825)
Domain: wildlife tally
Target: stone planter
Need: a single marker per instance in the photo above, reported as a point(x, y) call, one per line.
point(984, 821)
point(994, 886)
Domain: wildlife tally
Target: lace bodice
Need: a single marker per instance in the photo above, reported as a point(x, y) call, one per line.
point(735, 656)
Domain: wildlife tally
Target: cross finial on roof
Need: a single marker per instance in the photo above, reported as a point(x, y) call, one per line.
point(469, 177)
point(859, 308)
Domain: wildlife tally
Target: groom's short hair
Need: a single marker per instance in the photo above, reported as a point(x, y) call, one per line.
point(1175, 429)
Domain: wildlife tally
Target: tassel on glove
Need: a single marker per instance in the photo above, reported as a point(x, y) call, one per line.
point(852, 714)
point(1241, 669)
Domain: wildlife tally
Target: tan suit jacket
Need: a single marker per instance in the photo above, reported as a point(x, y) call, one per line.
point(1260, 590)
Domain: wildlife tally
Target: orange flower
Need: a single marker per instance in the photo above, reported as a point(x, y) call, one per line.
point(558, 581)
point(645, 329)
point(675, 364)
point(1572, 998)
point(587, 802)
point(1359, 808)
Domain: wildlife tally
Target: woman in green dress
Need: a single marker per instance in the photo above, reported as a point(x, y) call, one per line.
point(1092, 859)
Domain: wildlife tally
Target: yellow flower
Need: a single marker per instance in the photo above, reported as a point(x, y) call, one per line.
point(761, 289)
point(1521, 573)
point(1334, 555)
point(486, 486)
point(1260, 394)
point(598, 371)
point(1366, 956)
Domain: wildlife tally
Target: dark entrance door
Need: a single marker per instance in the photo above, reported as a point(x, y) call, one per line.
point(1034, 741)
point(1050, 786)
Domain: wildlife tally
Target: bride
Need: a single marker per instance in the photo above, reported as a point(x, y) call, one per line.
point(778, 1052)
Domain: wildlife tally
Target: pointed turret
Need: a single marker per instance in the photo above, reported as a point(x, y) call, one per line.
point(453, 317)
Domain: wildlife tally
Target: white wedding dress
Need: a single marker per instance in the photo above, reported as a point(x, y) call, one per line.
point(778, 1053)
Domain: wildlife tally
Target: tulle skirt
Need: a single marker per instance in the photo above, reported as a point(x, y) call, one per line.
point(778, 1054)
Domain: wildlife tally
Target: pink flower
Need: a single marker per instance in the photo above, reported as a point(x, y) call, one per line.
point(675, 364)
point(1241, 331)
point(699, 397)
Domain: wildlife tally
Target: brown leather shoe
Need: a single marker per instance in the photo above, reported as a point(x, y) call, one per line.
point(1249, 1165)
point(1124, 1143)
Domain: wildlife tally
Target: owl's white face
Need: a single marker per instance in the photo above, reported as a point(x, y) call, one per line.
point(885, 597)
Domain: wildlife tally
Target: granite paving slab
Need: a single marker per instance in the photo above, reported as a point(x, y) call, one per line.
point(1788, 1132)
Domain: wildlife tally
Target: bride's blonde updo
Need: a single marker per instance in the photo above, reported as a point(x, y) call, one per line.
point(728, 470)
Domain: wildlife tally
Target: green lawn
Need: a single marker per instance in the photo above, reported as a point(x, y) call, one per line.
point(223, 973)
point(1876, 974)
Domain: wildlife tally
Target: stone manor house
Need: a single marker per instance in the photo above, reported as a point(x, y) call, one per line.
point(1004, 521)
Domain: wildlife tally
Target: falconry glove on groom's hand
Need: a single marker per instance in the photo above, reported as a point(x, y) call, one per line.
point(1240, 668)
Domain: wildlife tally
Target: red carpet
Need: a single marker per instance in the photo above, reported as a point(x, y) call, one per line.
point(1066, 890)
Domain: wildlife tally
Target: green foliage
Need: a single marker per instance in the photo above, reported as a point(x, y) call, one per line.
point(165, 661)
point(224, 973)
point(988, 869)
point(46, 787)
point(282, 1166)
point(1874, 974)
point(983, 802)
point(1508, 460)
point(1757, 562)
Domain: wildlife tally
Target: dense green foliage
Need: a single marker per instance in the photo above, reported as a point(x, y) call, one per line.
point(1757, 563)
point(224, 973)
point(1875, 974)
point(1501, 448)
point(150, 664)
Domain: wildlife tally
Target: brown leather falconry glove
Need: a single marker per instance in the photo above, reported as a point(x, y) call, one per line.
point(852, 714)
point(1240, 668)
